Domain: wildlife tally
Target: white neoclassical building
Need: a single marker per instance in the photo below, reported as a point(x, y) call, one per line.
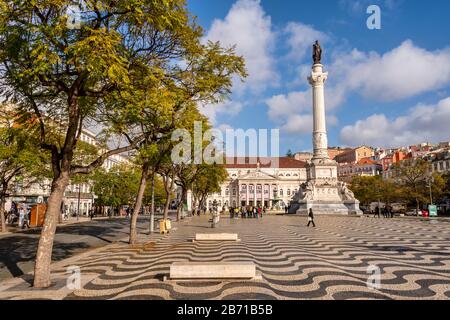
point(270, 182)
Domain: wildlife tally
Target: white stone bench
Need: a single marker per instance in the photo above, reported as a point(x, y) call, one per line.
point(216, 237)
point(213, 270)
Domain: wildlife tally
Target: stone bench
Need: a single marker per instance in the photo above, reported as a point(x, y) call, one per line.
point(216, 237)
point(213, 271)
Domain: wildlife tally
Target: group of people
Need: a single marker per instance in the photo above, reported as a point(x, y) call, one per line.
point(20, 214)
point(387, 212)
point(247, 212)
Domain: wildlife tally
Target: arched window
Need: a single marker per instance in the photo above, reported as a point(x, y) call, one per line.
point(288, 192)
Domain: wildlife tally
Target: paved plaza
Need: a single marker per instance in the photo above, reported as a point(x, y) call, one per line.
point(327, 262)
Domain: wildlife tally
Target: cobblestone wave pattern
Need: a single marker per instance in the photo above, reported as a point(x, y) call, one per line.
point(327, 262)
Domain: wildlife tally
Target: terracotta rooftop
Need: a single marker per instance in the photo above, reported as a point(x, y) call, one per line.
point(251, 162)
point(367, 161)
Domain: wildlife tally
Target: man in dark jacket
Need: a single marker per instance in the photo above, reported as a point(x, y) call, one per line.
point(311, 218)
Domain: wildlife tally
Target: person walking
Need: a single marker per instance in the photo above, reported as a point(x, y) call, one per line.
point(311, 218)
point(390, 212)
point(285, 209)
point(377, 212)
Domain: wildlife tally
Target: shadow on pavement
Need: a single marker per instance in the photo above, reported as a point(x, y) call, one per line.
point(17, 249)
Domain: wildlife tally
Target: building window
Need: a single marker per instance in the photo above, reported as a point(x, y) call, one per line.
point(288, 192)
point(281, 192)
point(227, 191)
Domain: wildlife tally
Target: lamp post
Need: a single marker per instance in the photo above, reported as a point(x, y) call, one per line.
point(79, 196)
point(430, 181)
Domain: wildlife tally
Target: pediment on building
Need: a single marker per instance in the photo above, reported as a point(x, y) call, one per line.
point(257, 175)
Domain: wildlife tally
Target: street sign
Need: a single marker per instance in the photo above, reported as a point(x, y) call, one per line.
point(432, 209)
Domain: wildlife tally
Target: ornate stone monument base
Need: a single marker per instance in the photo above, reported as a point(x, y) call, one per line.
point(323, 193)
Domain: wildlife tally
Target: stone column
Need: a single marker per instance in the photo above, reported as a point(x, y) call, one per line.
point(255, 186)
point(270, 195)
point(263, 186)
point(320, 141)
point(238, 203)
point(247, 202)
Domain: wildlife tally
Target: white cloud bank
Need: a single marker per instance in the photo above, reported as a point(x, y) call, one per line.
point(249, 28)
point(423, 123)
point(404, 72)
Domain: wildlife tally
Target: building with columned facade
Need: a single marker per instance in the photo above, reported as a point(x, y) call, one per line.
point(258, 183)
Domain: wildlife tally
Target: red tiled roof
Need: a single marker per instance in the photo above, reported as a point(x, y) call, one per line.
point(251, 162)
point(367, 161)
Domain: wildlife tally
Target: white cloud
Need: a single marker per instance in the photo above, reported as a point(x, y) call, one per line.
point(298, 123)
point(303, 123)
point(300, 39)
point(249, 28)
point(423, 123)
point(230, 108)
point(283, 106)
point(404, 72)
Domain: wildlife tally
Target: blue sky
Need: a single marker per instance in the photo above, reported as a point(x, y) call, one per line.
point(387, 88)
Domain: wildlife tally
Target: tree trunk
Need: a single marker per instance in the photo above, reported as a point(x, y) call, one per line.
point(181, 204)
point(45, 247)
point(168, 187)
point(152, 207)
point(138, 204)
point(2, 212)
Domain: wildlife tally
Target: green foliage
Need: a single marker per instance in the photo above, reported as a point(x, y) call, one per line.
point(373, 188)
point(20, 157)
point(120, 185)
point(410, 184)
point(209, 180)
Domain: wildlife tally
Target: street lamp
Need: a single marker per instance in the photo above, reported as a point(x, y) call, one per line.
point(79, 196)
point(430, 180)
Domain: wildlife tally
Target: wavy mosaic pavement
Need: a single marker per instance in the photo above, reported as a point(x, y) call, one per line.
point(327, 262)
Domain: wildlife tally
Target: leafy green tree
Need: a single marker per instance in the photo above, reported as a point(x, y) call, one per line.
point(207, 182)
point(51, 70)
point(368, 189)
point(207, 79)
point(20, 158)
point(117, 186)
point(446, 188)
point(415, 178)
